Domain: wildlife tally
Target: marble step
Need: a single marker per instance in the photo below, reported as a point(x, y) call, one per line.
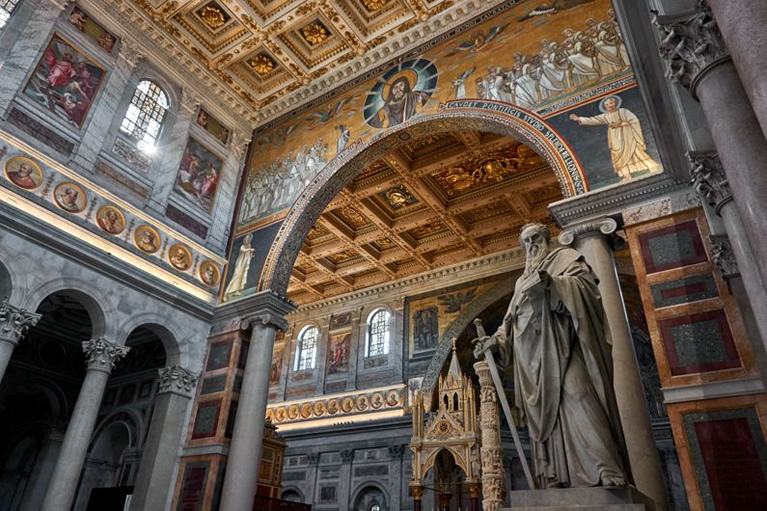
point(563, 499)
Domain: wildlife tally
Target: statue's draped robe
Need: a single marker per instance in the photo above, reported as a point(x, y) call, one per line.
point(558, 340)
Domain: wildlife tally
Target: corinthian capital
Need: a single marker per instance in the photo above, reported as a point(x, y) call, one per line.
point(240, 143)
point(721, 252)
point(709, 180)
point(177, 379)
point(102, 355)
point(14, 322)
point(130, 52)
point(691, 44)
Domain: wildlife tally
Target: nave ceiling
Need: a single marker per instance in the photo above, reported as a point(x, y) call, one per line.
point(436, 201)
point(265, 57)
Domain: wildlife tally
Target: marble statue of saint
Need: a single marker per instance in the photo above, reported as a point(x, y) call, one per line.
point(241, 268)
point(556, 336)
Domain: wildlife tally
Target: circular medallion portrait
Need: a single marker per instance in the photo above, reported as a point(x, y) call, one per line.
point(24, 172)
point(180, 257)
point(70, 197)
point(110, 220)
point(147, 239)
point(209, 273)
point(293, 412)
point(400, 93)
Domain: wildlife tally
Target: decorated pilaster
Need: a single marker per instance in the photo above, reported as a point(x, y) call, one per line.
point(492, 453)
point(116, 86)
point(357, 346)
point(14, 323)
point(698, 60)
point(732, 253)
point(100, 358)
point(395, 475)
point(245, 453)
point(172, 150)
point(594, 241)
point(22, 57)
point(345, 479)
point(156, 474)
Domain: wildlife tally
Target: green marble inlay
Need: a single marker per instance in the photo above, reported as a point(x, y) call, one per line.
point(699, 343)
point(672, 248)
point(687, 290)
point(213, 384)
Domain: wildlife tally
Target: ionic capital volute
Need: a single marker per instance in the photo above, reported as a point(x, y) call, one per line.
point(102, 355)
point(604, 227)
point(15, 321)
point(177, 380)
point(691, 45)
point(709, 179)
point(267, 319)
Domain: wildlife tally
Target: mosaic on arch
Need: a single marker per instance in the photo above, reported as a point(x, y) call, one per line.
point(568, 66)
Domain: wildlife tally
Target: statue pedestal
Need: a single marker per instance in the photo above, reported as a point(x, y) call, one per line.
point(593, 499)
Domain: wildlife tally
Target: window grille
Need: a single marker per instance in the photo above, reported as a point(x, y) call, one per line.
point(307, 348)
point(6, 9)
point(146, 112)
point(378, 334)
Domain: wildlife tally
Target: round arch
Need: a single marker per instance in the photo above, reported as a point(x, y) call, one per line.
point(457, 458)
point(364, 488)
point(487, 116)
point(98, 306)
point(12, 280)
point(292, 494)
point(152, 322)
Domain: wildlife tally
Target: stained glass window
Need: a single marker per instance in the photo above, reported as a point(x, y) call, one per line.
point(146, 112)
point(6, 9)
point(307, 348)
point(378, 334)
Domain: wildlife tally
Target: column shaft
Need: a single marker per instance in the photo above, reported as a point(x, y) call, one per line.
point(6, 351)
point(61, 491)
point(491, 451)
point(163, 440)
point(742, 23)
point(629, 394)
point(245, 453)
point(14, 323)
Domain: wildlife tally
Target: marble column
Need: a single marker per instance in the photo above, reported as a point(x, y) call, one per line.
point(491, 451)
point(245, 451)
point(699, 61)
point(25, 51)
point(100, 358)
point(732, 255)
point(14, 322)
point(345, 480)
point(117, 80)
point(175, 389)
point(742, 23)
point(173, 149)
point(40, 477)
point(594, 241)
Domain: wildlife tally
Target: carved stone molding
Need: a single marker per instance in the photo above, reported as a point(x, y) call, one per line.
point(347, 455)
point(14, 322)
point(62, 4)
point(101, 355)
point(130, 52)
point(176, 379)
point(709, 179)
point(492, 453)
point(721, 252)
point(190, 101)
point(601, 227)
point(240, 143)
point(691, 45)
point(396, 451)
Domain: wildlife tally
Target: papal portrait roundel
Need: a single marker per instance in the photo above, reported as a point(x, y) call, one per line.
point(400, 93)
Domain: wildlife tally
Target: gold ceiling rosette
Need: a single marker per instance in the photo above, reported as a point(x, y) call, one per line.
point(375, 5)
point(314, 33)
point(261, 64)
point(213, 16)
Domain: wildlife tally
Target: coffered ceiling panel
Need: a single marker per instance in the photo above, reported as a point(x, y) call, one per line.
point(437, 201)
point(266, 53)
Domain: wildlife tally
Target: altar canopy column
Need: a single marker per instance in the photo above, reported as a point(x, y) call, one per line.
point(100, 358)
point(245, 453)
point(594, 241)
point(743, 23)
point(22, 57)
point(711, 183)
point(699, 61)
point(155, 475)
point(14, 322)
point(491, 451)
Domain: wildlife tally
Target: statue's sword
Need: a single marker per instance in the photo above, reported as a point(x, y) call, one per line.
point(505, 405)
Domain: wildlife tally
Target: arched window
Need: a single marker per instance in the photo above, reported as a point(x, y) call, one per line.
point(375, 506)
point(378, 334)
point(6, 9)
point(307, 348)
point(146, 113)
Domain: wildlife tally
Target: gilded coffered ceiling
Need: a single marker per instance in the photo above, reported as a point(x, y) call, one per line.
point(264, 57)
point(437, 201)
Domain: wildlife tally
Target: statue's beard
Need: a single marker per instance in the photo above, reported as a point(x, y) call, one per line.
point(535, 254)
